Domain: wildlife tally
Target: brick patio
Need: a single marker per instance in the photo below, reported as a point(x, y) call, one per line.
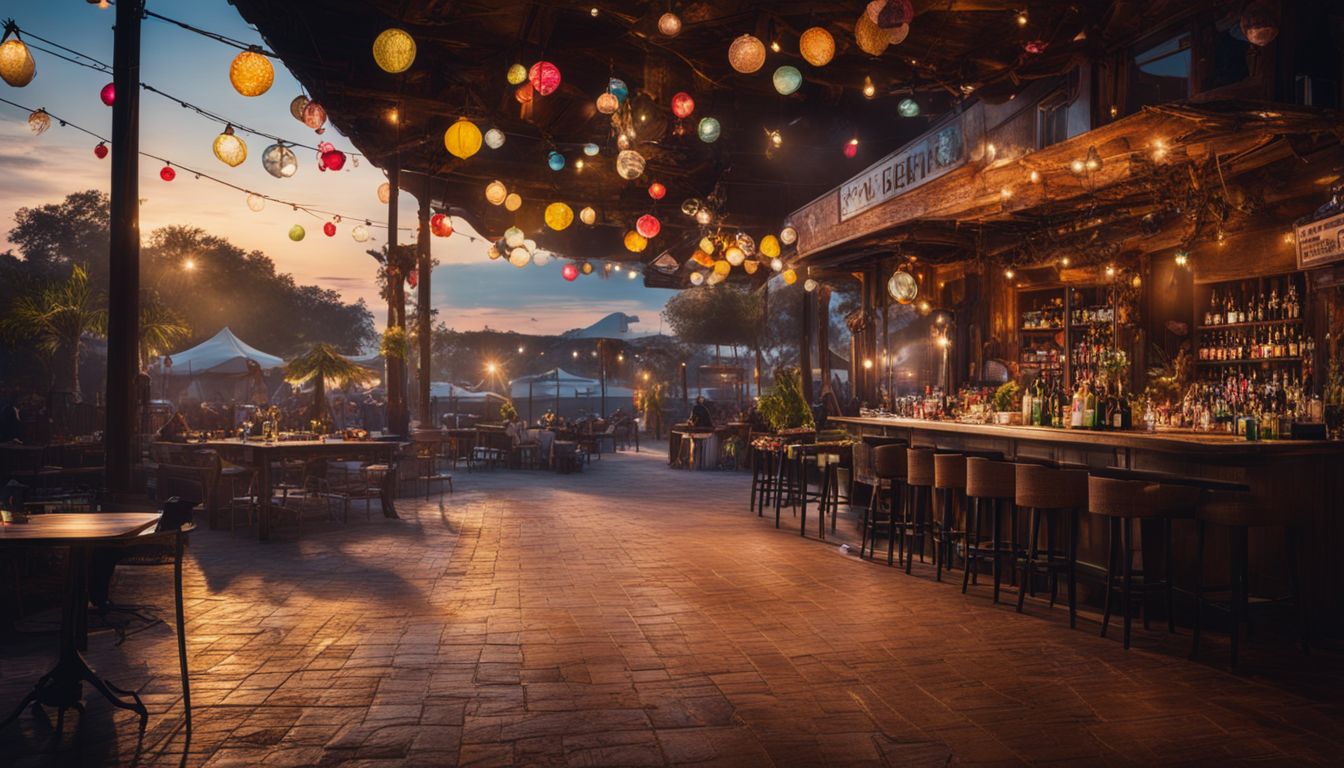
point(636, 615)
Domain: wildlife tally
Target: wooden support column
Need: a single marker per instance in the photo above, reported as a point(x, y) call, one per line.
point(805, 347)
point(123, 290)
point(824, 337)
point(424, 306)
point(398, 418)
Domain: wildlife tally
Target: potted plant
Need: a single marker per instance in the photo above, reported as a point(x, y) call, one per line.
point(1005, 402)
point(324, 365)
point(784, 408)
point(507, 413)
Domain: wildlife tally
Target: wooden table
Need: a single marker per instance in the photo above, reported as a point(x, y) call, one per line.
point(261, 455)
point(80, 532)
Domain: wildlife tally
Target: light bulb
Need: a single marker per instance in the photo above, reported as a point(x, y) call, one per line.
point(869, 90)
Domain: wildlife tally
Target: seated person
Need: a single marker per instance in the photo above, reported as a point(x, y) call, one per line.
point(700, 415)
point(174, 431)
point(517, 431)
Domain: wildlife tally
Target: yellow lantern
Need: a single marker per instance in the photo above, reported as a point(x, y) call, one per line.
point(722, 268)
point(706, 245)
point(790, 277)
point(462, 139)
point(817, 46)
point(496, 192)
point(394, 50)
point(747, 54)
point(635, 242)
point(607, 103)
point(517, 74)
point(769, 246)
point(715, 278)
point(751, 266)
point(734, 255)
point(559, 216)
point(702, 258)
point(16, 63)
point(588, 216)
point(384, 192)
point(872, 39)
point(251, 73)
point(230, 149)
point(513, 202)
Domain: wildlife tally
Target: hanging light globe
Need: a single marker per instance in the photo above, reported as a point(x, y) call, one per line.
point(617, 87)
point(544, 77)
point(513, 202)
point(440, 225)
point(523, 93)
point(329, 229)
point(691, 206)
point(787, 80)
point(629, 164)
point(750, 266)
point(896, 35)
point(790, 277)
point(669, 24)
point(495, 192)
point(519, 257)
point(16, 63)
point(734, 256)
point(746, 243)
point(769, 246)
point(314, 116)
point(517, 74)
point(746, 54)
point(708, 130)
point(683, 105)
point(540, 257)
point(809, 285)
point(648, 226)
point(588, 216)
point(591, 149)
point(559, 216)
point(255, 202)
point(555, 161)
point(702, 257)
point(513, 237)
point(280, 161)
point(817, 46)
point(108, 94)
point(871, 39)
point(494, 138)
point(229, 149)
point(493, 253)
point(788, 235)
point(394, 50)
point(635, 242)
point(297, 105)
point(607, 103)
point(777, 264)
point(657, 191)
point(462, 139)
point(251, 73)
point(384, 192)
point(39, 121)
point(297, 233)
point(697, 278)
point(569, 272)
point(360, 233)
point(722, 267)
point(908, 107)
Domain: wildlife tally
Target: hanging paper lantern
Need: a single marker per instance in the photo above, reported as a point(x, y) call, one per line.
point(517, 74)
point(16, 62)
point(746, 243)
point(296, 233)
point(648, 226)
point(607, 103)
point(669, 24)
point(462, 139)
point(769, 246)
point(708, 130)
point(690, 206)
point(513, 237)
point(255, 203)
point(704, 216)
point(360, 233)
point(817, 46)
point(569, 272)
point(897, 35)
point(39, 121)
point(746, 54)
point(635, 242)
point(734, 256)
point(1259, 23)
point(315, 116)
point(908, 107)
point(329, 157)
point(558, 216)
point(702, 258)
point(494, 252)
point(108, 94)
point(519, 257)
point(167, 173)
point(251, 73)
point(587, 268)
point(629, 164)
point(790, 277)
point(495, 192)
point(297, 105)
point(394, 50)
point(591, 149)
point(523, 93)
point(683, 105)
point(697, 278)
point(230, 149)
point(540, 257)
point(788, 235)
point(706, 245)
point(872, 39)
point(588, 216)
point(555, 161)
point(544, 77)
point(513, 202)
point(657, 191)
point(617, 87)
point(440, 225)
point(329, 229)
point(777, 264)
point(787, 80)
point(280, 161)
point(722, 268)
point(413, 278)
point(809, 285)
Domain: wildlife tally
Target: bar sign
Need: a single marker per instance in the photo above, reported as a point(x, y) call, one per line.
point(1320, 242)
point(914, 165)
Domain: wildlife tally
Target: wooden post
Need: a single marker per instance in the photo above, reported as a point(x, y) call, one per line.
point(123, 312)
point(805, 347)
point(824, 337)
point(424, 302)
point(398, 419)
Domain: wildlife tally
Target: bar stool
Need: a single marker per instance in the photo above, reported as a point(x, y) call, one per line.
point(762, 478)
point(919, 501)
point(949, 486)
point(889, 472)
point(1051, 495)
point(1239, 513)
point(827, 496)
point(993, 484)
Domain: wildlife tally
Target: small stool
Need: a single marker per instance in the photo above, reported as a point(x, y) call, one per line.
point(949, 486)
point(993, 484)
point(889, 472)
point(919, 507)
point(762, 478)
point(1050, 494)
point(1239, 513)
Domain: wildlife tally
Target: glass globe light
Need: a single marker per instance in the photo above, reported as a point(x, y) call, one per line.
point(734, 256)
point(494, 138)
point(697, 278)
point(555, 161)
point(591, 149)
point(360, 233)
point(296, 233)
point(669, 24)
point(297, 105)
point(588, 215)
point(280, 161)
point(629, 164)
point(255, 202)
point(513, 237)
point(817, 46)
point(908, 107)
point(709, 130)
point(788, 235)
point(787, 80)
point(809, 285)
point(746, 54)
point(394, 50)
point(519, 257)
point(607, 103)
point(251, 73)
point(230, 149)
point(559, 216)
point(704, 216)
point(777, 264)
point(513, 202)
point(495, 192)
point(517, 74)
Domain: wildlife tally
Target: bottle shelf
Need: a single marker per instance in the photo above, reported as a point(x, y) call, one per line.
point(1253, 361)
point(1256, 324)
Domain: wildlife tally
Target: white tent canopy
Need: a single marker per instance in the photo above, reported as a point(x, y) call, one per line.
point(222, 354)
point(373, 360)
point(446, 391)
point(544, 384)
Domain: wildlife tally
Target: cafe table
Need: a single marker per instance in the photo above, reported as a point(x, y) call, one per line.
point(80, 533)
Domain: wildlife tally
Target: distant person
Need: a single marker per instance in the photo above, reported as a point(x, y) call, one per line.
point(174, 431)
point(700, 415)
point(11, 426)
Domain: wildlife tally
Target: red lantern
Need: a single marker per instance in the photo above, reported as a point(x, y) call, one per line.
point(329, 229)
point(648, 226)
point(329, 157)
point(852, 148)
point(108, 94)
point(167, 173)
point(440, 225)
point(569, 272)
point(1036, 47)
point(413, 277)
point(544, 77)
point(683, 105)
point(100, 151)
point(523, 93)
point(657, 191)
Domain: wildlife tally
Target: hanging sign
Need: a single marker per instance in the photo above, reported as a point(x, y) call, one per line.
point(917, 163)
point(1320, 242)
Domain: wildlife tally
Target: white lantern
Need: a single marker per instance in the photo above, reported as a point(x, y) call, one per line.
point(496, 192)
point(513, 237)
point(669, 24)
point(384, 192)
point(777, 264)
point(360, 233)
point(494, 138)
point(519, 257)
point(734, 255)
point(809, 285)
point(697, 278)
point(513, 202)
point(746, 54)
point(788, 235)
point(255, 202)
point(588, 216)
point(280, 161)
point(629, 164)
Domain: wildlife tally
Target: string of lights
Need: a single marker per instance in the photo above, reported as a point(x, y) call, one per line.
point(217, 37)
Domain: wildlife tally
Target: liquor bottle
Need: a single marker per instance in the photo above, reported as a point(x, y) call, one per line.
point(1089, 407)
point(1076, 412)
point(1210, 312)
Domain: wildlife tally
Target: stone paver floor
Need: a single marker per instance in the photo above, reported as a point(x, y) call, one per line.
point(637, 615)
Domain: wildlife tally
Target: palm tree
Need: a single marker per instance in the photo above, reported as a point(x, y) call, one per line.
point(56, 316)
point(161, 329)
point(324, 366)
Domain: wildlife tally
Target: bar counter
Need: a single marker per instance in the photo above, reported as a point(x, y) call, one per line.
point(1304, 478)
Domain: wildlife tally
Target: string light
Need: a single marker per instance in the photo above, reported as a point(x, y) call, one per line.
point(869, 90)
point(1182, 258)
point(1022, 18)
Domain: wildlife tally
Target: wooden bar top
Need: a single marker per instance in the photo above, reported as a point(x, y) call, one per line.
point(1163, 440)
point(77, 527)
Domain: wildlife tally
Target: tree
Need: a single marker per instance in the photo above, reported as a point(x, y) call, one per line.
point(324, 365)
point(716, 314)
point(161, 329)
point(56, 316)
point(73, 231)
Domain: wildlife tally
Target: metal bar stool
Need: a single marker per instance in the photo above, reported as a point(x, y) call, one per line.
point(889, 471)
point(993, 485)
point(762, 478)
point(1051, 495)
point(919, 507)
point(1239, 513)
point(949, 486)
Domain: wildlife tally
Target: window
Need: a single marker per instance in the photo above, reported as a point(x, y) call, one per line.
point(1160, 73)
point(1053, 122)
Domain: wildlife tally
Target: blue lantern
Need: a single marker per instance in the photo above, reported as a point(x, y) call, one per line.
point(908, 107)
point(617, 87)
point(709, 130)
point(591, 149)
point(787, 80)
point(556, 161)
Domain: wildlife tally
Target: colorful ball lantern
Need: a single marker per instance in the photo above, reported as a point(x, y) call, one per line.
point(697, 278)
point(669, 24)
point(495, 192)
point(462, 139)
point(734, 256)
point(657, 191)
point(523, 93)
point(513, 237)
point(851, 149)
point(722, 267)
point(587, 268)
point(314, 116)
point(790, 277)
point(777, 264)
point(871, 39)
point(809, 285)
point(617, 87)
point(108, 94)
point(788, 235)
point(706, 245)
point(891, 13)
point(517, 74)
point(558, 216)
point(297, 105)
point(39, 121)
point(296, 233)
point(519, 257)
point(167, 173)
point(360, 234)
point(746, 243)
point(590, 149)
point(588, 215)
point(329, 229)
point(908, 107)
point(16, 62)
point(255, 202)
point(746, 54)
point(817, 46)
point(683, 105)
point(769, 246)
point(607, 103)
point(440, 225)
point(513, 202)
point(708, 130)
point(751, 266)
point(569, 272)
point(787, 80)
point(394, 50)
point(384, 193)
point(229, 149)
point(629, 164)
point(329, 157)
point(648, 226)
point(555, 161)
point(251, 73)
point(493, 253)
point(635, 242)
point(1259, 24)
point(280, 161)
point(494, 138)
point(544, 77)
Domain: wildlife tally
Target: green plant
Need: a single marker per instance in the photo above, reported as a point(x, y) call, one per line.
point(1006, 397)
point(507, 412)
point(323, 366)
point(56, 316)
point(784, 407)
point(394, 343)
